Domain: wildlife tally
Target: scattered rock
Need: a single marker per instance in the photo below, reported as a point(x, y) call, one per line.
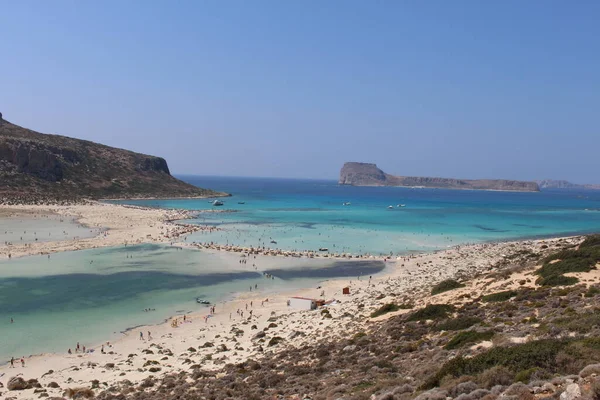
point(571, 392)
point(16, 383)
point(275, 341)
point(259, 334)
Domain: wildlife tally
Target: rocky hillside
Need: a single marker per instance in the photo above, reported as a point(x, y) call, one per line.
point(365, 174)
point(40, 167)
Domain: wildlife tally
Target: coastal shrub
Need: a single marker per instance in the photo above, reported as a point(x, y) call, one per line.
point(432, 312)
point(457, 324)
point(445, 286)
point(592, 291)
point(500, 296)
point(495, 376)
point(591, 241)
point(550, 355)
point(540, 353)
point(557, 280)
point(582, 259)
point(524, 376)
point(386, 308)
point(463, 338)
point(581, 323)
point(595, 389)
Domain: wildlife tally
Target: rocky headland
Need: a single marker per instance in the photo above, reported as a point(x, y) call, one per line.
point(37, 168)
point(366, 174)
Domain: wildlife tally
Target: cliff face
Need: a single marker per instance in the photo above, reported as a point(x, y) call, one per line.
point(364, 174)
point(52, 167)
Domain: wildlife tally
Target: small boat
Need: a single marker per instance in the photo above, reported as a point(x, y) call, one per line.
point(390, 207)
point(274, 242)
point(200, 301)
point(217, 203)
point(347, 203)
point(241, 202)
point(323, 249)
point(401, 205)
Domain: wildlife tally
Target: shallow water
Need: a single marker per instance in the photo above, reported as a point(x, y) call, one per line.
point(309, 214)
point(91, 296)
point(20, 230)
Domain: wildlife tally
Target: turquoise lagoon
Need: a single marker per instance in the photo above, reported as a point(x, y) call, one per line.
point(309, 214)
point(93, 295)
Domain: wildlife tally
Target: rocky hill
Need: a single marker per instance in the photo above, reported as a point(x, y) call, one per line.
point(38, 167)
point(365, 174)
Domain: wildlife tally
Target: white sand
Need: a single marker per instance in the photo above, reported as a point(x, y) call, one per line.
point(119, 224)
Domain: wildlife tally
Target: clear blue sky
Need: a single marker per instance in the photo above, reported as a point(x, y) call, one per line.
point(470, 89)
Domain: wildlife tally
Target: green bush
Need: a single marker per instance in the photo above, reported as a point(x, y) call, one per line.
point(463, 338)
point(592, 291)
point(386, 308)
point(580, 323)
point(583, 259)
point(432, 311)
point(591, 241)
point(445, 286)
point(525, 375)
point(457, 324)
point(557, 280)
point(497, 375)
point(500, 296)
point(539, 353)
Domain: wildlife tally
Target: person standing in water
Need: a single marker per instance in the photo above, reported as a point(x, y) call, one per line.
point(12, 362)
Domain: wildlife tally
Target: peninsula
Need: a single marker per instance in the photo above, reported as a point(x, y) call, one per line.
point(562, 184)
point(37, 167)
point(366, 174)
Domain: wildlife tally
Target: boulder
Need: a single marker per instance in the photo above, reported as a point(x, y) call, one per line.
point(571, 392)
point(17, 383)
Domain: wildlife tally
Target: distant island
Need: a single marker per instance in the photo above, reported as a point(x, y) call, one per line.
point(366, 174)
point(561, 184)
point(37, 167)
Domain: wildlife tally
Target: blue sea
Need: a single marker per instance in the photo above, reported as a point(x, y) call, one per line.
point(94, 295)
point(310, 214)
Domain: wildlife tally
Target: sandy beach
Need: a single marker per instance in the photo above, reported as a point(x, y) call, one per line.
point(249, 326)
point(112, 225)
